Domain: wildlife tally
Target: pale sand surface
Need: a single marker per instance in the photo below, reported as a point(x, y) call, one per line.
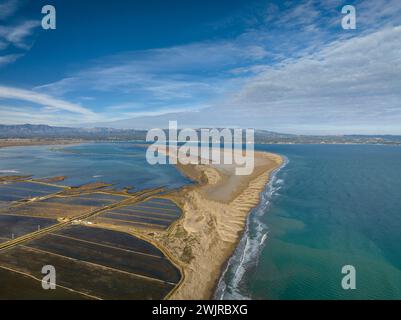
point(215, 213)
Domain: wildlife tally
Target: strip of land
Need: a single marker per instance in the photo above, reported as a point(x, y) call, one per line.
point(36, 142)
point(215, 213)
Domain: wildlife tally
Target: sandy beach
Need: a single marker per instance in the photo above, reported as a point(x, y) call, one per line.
point(215, 213)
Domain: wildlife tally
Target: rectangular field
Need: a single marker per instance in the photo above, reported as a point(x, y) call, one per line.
point(16, 285)
point(130, 261)
point(11, 225)
point(66, 207)
point(25, 190)
point(88, 200)
point(106, 237)
point(86, 281)
point(156, 213)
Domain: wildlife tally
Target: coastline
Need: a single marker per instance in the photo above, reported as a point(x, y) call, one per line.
point(213, 221)
point(249, 247)
point(5, 143)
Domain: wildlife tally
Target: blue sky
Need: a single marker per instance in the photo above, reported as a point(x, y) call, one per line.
point(279, 65)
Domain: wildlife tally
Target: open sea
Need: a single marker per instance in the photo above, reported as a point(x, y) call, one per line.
point(327, 207)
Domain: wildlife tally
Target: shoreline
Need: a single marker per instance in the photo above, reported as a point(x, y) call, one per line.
point(213, 221)
point(233, 261)
point(6, 143)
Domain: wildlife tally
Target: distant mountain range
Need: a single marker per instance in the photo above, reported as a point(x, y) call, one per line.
point(29, 131)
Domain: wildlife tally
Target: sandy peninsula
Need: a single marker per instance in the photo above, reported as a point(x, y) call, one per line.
point(215, 210)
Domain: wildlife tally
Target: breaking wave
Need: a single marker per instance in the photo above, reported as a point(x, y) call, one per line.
point(247, 253)
point(10, 171)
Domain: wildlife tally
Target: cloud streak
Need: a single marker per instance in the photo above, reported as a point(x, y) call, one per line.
point(9, 58)
point(8, 8)
point(42, 99)
point(14, 35)
point(17, 34)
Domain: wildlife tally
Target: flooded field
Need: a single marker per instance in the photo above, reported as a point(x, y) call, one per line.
point(156, 213)
point(136, 262)
point(63, 207)
point(94, 263)
point(16, 226)
point(106, 237)
point(15, 285)
point(88, 200)
point(90, 280)
point(91, 262)
point(25, 190)
point(45, 209)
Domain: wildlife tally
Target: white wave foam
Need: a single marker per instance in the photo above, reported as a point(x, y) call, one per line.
point(10, 171)
point(262, 241)
point(250, 246)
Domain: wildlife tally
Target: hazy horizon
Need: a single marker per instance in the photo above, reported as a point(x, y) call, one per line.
point(200, 127)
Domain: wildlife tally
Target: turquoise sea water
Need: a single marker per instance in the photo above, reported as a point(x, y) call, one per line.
point(329, 206)
point(122, 164)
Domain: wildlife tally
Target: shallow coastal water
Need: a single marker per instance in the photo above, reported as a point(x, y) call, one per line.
point(122, 164)
point(329, 206)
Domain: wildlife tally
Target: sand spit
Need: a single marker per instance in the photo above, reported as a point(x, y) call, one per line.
point(214, 216)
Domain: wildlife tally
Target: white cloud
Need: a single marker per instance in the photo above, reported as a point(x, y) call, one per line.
point(348, 86)
point(364, 66)
point(42, 99)
point(177, 78)
point(9, 58)
point(347, 83)
point(8, 8)
point(27, 114)
point(379, 13)
point(162, 74)
point(17, 34)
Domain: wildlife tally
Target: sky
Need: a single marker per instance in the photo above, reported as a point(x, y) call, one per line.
point(285, 66)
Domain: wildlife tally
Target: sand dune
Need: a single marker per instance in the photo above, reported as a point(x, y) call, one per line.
point(215, 213)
